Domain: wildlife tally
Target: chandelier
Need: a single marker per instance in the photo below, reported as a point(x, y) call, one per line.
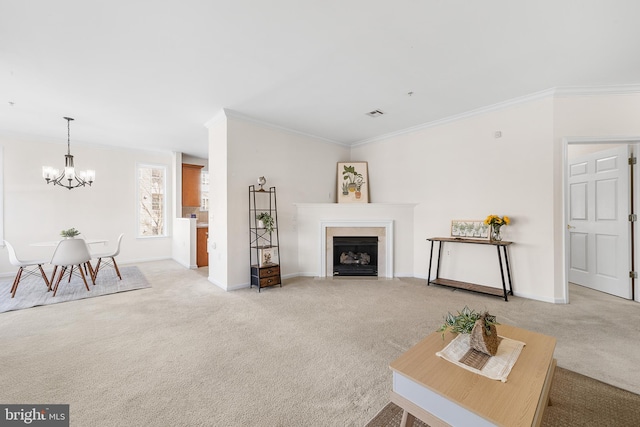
point(68, 178)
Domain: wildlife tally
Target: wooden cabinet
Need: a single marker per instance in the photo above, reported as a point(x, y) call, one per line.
point(191, 184)
point(202, 253)
point(265, 276)
point(264, 256)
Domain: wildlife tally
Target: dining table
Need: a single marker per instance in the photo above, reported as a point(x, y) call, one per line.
point(55, 242)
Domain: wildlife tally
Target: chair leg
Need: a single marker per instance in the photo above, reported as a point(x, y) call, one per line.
point(55, 289)
point(71, 274)
point(53, 276)
point(92, 274)
point(95, 272)
point(84, 279)
point(15, 280)
point(115, 265)
point(44, 276)
point(14, 288)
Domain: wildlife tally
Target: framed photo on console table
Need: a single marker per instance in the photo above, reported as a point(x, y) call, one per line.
point(470, 229)
point(268, 256)
point(353, 182)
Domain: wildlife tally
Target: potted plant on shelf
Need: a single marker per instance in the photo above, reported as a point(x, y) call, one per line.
point(266, 221)
point(70, 233)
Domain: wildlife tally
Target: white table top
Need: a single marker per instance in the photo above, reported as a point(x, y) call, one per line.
point(55, 242)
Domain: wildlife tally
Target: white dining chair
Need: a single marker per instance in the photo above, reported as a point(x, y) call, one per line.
point(108, 259)
point(71, 253)
point(32, 267)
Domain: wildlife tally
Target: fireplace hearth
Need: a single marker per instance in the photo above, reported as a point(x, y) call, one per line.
point(355, 256)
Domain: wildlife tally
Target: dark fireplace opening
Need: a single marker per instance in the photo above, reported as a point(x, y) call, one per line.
point(355, 256)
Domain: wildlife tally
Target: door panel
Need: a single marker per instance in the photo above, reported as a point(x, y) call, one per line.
point(598, 227)
point(606, 200)
point(578, 251)
point(605, 255)
point(578, 209)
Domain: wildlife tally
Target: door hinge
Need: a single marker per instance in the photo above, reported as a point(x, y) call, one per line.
point(633, 274)
point(633, 160)
point(633, 217)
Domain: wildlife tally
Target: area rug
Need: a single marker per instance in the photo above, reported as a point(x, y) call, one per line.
point(576, 400)
point(32, 291)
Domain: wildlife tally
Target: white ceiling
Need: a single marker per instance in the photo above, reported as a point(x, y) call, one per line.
point(151, 73)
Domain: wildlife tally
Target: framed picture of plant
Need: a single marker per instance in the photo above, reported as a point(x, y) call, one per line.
point(470, 229)
point(268, 256)
point(353, 182)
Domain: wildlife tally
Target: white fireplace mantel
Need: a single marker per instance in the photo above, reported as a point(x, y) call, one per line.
point(313, 219)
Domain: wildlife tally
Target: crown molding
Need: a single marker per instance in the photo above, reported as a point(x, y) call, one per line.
point(235, 115)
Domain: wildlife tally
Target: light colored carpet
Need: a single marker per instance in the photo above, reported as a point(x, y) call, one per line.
point(576, 400)
point(313, 353)
point(32, 291)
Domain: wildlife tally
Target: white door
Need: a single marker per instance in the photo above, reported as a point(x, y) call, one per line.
point(598, 225)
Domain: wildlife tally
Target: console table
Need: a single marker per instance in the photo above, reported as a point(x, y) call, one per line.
point(472, 286)
point(440, 393)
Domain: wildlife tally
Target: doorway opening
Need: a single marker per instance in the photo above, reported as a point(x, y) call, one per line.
point(600, 197)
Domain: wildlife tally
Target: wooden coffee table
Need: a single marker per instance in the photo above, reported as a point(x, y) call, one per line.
point(441, 393)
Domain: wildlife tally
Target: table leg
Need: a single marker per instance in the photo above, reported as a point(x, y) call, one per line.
point(504, 285)
point(439, 258)
point(430, 259)
point(506, 260)
point(407, 419)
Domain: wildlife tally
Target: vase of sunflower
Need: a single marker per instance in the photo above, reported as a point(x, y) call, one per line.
point(496, 222)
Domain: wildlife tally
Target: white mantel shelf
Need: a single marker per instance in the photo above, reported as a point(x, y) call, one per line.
point(354, 205)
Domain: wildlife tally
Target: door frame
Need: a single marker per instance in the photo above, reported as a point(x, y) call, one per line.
point(617, 140)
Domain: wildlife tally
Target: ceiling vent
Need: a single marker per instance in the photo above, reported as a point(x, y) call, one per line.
point(374, 113)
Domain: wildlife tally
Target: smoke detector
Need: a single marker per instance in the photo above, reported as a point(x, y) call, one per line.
point(374, 113)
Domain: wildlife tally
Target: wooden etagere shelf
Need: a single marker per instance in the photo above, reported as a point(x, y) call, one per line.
point(264, 245)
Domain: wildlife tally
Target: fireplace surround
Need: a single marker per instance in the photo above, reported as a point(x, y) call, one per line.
point(383, 230)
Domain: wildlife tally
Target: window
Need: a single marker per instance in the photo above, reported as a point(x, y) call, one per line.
point(152, 190)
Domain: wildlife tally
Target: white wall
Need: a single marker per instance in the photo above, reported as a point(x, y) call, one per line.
point(302, 168)
point(36, 212)
point(218, 206)
point(184, 240)
point(460, 170)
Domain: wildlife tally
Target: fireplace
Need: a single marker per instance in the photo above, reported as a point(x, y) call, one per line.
point(382, 230)
point(355, 256)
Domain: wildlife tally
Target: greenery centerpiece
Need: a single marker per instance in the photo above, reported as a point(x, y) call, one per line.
point(481, 326)
point(266, 221)
point(72, 232)
point(496, 222)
